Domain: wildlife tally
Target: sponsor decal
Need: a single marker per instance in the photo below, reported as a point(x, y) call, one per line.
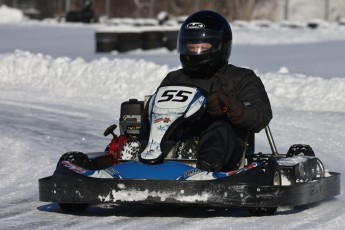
point(191, 173)
point(165, 120)
point(249, 167)
point(112, 172)
point(195, 25)
point(73, 167)
point(134, 127)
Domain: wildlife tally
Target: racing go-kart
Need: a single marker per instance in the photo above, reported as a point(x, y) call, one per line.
point(161, 168)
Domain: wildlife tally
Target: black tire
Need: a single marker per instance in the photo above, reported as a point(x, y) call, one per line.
point(262, 211)
point(77, 158)
point(73, 16)
point(300, 149)
point(106, 42)
point(73, 207)
point(313, 25)
point(306, 150)
point(129, 41)
point(170, 38)
point(152, 40)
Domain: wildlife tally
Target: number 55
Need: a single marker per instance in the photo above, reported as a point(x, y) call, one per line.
point(175, 95)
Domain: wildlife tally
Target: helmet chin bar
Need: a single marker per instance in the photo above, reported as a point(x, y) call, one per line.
point(202, 69)
point(170, 106)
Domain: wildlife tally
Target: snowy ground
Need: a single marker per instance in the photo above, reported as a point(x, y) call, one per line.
point(57, 95)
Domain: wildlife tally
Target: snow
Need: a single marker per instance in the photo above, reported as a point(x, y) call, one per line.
point(57, 95)
point(10, 15)
point(136, 195)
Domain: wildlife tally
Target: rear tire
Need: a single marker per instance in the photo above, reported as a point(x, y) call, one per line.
point(306, 150)
point(300, 150)
point(73, 207)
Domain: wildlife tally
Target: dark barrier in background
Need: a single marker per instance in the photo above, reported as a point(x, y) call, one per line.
point(170, 39)
point(152, 39)
point(126, 41)
point(106, 41)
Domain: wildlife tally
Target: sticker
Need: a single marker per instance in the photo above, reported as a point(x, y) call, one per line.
point(195, 25)
point(241, 170)
point(165, 120)
point(73, 167)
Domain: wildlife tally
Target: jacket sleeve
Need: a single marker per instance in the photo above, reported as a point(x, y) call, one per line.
point(257, 111)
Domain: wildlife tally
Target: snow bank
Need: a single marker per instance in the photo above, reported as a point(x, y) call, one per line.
point(8, 15)
point(102, 78)
point(300, 92)
point(121, 79)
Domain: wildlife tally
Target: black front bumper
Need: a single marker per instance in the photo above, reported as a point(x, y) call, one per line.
point(214, 193)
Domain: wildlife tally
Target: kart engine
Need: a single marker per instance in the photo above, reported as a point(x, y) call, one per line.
point(131, 118)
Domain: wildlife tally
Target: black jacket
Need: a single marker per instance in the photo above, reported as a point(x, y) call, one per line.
point(235, 82)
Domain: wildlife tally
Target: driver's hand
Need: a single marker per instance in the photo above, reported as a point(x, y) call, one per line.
point(218, 104)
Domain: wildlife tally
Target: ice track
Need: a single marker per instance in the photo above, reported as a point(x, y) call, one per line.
point(50, 105)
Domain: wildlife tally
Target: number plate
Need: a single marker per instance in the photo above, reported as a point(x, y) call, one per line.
point(174, 97)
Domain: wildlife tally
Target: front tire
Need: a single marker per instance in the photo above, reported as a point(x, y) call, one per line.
point(262, 211)
point(73, 207)
point(77, 158)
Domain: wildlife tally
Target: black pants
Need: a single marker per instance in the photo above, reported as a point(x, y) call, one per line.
point(219, 149)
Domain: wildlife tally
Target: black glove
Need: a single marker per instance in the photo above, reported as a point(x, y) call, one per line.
point(218, 104)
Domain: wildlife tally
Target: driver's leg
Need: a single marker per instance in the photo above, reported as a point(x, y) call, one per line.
point(219, 148)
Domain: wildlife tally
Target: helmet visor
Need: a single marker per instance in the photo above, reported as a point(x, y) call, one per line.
point(196, 42)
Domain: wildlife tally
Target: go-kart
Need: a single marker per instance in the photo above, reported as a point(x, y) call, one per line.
point(161, 169)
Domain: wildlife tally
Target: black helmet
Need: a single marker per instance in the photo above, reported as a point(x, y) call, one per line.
point(212, 32)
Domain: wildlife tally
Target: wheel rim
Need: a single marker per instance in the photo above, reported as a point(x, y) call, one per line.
point(320, 169)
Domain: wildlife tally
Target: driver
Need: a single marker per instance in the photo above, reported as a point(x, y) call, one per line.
point(198, 47)
point(237, 102)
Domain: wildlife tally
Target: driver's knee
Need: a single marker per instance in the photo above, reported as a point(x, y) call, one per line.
point(218, 148)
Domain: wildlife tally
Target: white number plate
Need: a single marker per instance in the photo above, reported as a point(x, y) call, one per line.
point(174, 97)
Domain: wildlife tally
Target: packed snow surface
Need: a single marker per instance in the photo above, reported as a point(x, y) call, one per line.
point(57, 95)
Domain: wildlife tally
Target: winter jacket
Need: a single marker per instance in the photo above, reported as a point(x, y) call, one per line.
point(239, 83)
